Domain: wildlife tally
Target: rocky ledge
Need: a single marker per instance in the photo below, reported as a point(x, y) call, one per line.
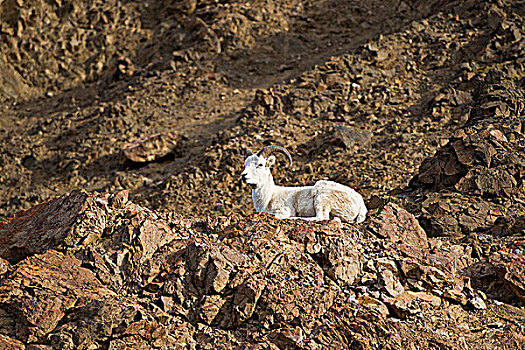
point(96, 271)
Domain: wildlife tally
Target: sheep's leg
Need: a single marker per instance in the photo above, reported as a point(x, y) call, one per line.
point(282, 214)
point(321, 214)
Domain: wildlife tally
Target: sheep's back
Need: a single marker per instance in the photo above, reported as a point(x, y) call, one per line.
point(339, 200)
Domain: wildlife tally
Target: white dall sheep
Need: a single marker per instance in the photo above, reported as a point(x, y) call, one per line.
point(322, 201)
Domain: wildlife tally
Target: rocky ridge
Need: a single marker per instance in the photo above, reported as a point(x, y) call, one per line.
point(109, 273)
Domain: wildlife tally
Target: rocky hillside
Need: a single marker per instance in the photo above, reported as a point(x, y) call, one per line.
point(94, 271)
point(123, 130)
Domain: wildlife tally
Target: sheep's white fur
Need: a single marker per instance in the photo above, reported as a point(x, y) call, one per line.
point(322, 201)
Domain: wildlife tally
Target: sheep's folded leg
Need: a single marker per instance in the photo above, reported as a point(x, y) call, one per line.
point(282, 214)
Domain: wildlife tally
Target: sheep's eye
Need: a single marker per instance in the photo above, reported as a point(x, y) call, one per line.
point(259, 165)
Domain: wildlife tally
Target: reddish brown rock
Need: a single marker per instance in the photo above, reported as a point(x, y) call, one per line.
point(354, 325)
point(399, 226)
point(454, 215)
point(509, 225)
point(43, 288)
point(149, 148)
point(10, 344)
point(78, 220)
point(411, 303)
point(437, 271)
point(510, 264)
point(254, 264)
point(485, 277)
point(373, 305)
point(283, 302)
point(286, 338)
point(226, 283)
point(122, 323)
point(337, 252)
point(60, 223)
point(388, 280)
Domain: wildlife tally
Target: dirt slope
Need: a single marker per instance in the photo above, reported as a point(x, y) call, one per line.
point(196, 75)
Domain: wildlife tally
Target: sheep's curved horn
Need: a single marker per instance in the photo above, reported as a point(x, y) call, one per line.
point(272, 149)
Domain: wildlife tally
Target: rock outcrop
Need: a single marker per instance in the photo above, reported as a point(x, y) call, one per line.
point(478, 177)
point(89, 270)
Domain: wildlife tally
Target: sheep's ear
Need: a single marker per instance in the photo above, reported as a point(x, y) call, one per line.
point(249, 152)
point(270, 161)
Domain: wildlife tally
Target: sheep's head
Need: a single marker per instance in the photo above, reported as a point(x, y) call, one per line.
point(257, 166)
